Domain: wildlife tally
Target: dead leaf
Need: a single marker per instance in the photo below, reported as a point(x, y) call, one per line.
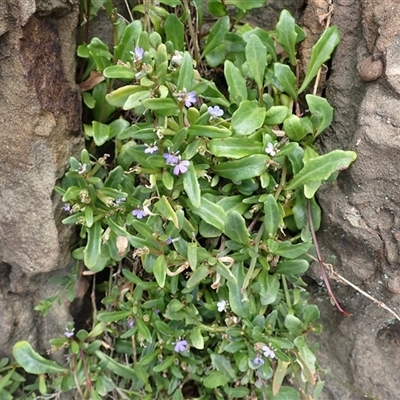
point(94, 79)
point(122, 245)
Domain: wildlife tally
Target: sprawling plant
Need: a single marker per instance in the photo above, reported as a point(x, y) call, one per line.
point(198, 199)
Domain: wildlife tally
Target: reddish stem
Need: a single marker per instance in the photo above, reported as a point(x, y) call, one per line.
point(321, 262)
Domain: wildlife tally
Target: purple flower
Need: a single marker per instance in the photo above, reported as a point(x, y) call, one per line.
point(187, 98)
point(139, 213)
point(258, 361)
point(181, 166)
point(268, 352)
point(130, 323)
point(181, 346)
point(151, 148)
point(190, 99)
point(168, 240)
point(69, 333)
point(171, 158)
point(215, 111)
point(138, 54)
point(66, 207)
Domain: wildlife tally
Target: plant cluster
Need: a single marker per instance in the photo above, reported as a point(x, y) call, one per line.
point(201, 208)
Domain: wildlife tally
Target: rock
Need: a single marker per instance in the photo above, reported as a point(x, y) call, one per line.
point(361, 228)
point(40, 115)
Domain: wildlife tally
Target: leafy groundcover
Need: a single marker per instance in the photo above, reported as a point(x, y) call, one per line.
point(195, 205)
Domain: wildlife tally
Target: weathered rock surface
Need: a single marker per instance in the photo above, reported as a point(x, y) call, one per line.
point(40, 117)
point(361, 227)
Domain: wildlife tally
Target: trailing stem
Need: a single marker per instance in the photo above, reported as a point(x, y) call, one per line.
point(321, 262)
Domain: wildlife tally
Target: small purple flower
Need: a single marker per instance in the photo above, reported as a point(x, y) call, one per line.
point(187, 98)
point(181, 166)
point(130, 323)
point(215, 112)
point(258, 361)
point(151, 148)
point(168, 240)
point(268, 352)
point(66, 207)
point(139, 213)
point(181, 346)
point(190, 99)
point(68, 333)
point(138, 54)
point(171, 158)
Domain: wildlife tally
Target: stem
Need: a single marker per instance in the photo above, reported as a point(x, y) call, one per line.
point(282, 182)
point(285, 288)
point(252, 264)
point(321, 263)
point(192, 33)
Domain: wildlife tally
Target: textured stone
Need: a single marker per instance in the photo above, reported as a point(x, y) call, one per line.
point(40, 116)
point(361, 228)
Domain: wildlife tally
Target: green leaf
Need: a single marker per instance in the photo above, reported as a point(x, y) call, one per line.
point(238, 306)
point(128, 40)
point(34, 363)
point(160, 270)
point(211, 213)
point(88, 216)
point(216, 35)
point(291, 251)
point(222, 364)
point(294, 128)
point(92, 251)
point(256, 57)
point(245, 168)
point(158, 104)
point(191, 186)
point(287, 35)
point(197, 277)
point(279, 375)
point(216, 379)
point(293, 324)
point(165, 364)
point(235, 147)
point(144, 330)
point(118, 72)
point(322, 110)
point(196, 338)
point(164, 208)
point(321, 52)
point(276, 115)
point(224, 271)
point(101, 133)
point(287, 79)
point(115, 367)
point(174, 31)
point(118, 97)
point(236, 83)
point(136, 99)
point(246, 5)
point(209, 131)
point(320, 168)
point(292, 267)
point(236, 229)
point(186, 73)
point(248, 118)
point(113, 316)
point(271, 217)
